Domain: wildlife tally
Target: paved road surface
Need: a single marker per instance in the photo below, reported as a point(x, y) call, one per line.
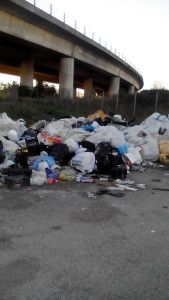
point(61, 245)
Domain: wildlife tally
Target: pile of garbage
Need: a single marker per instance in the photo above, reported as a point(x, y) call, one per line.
point(75, 148)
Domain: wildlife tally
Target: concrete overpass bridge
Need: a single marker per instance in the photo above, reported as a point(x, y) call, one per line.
point(36, 45)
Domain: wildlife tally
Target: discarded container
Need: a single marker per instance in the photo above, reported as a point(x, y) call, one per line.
point(119, 172)
point(133, 156)
point(164, 146)
point(67, 174)
point(48, 140)
point(164, 158)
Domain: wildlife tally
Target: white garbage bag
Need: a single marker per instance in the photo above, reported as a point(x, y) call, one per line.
point(59, 127)
point(109, 134)
point(77, 134)
point(72, 145)
point(12, 135)
point(6, 124)
point(38, 178)
point(8, 145)
point(138, 136)
point(150, 150)
point(157, 125)
point(84, 162)
point(133, 155)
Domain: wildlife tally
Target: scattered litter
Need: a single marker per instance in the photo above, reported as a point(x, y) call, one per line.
point(156, 180)
point(165, 206)
point(137, 168)
point(125, 181)
point(90, 195)
point(84, 178)
point(72, 149)
point(110, 192)
point(160, 189)
point(103, 178)
point(126, 187)
point(28, 189)
point(104, 182)
point(141, 185)
point(116, 188)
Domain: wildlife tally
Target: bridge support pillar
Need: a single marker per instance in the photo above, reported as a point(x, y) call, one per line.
point(114, 86)
point(26, 73)
point(66, 78)
point(88, 87)
point(131, 90)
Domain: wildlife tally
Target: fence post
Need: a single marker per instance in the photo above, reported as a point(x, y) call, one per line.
point(135, 101)
point(117, 101)
point(75, 24)
point(88, 104)
point(51, 9)
point(102, 100)
point(156, 101)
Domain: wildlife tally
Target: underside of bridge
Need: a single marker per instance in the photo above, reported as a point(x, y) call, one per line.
point(47, 64)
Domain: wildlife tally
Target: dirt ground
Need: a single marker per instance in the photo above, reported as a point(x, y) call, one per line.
point(56, 243)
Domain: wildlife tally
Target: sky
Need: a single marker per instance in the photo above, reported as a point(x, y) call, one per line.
point(138, 29)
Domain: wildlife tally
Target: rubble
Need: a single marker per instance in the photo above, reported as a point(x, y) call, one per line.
point(100, 147)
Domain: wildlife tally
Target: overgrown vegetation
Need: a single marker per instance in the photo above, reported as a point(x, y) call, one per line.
point(44, 103)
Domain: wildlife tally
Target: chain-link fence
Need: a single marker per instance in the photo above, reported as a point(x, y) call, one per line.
point(138, 106)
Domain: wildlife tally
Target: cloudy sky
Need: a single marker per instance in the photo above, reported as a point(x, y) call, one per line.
point(137, 29)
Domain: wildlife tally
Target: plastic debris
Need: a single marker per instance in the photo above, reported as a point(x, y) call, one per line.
point(90, 195)
point(110, 192)
point(72, 148)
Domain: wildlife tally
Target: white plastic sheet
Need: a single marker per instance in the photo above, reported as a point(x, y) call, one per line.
point(6, 124)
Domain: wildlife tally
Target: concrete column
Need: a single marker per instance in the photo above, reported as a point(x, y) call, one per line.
point(131, 90)
point(66, 78)
point(88, 87)
point(114, 86)
point(26, 73)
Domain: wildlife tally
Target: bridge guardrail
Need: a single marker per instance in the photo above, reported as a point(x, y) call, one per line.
point(51, 9)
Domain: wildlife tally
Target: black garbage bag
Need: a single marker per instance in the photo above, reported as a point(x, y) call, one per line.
point(1, 145)
point(14, 181)
point(61, 153)
point(107, 157)
point(14, 170)
point(29, 132)
point(88, 145)
point(34, 147)
point(2, 154)
point(21, 158)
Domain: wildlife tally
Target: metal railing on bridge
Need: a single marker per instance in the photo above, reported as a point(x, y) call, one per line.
point(60, 15)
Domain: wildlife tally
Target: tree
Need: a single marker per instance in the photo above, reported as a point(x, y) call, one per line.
point(157, 85)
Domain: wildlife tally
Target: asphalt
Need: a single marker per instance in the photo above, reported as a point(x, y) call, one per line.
point(56, 243)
